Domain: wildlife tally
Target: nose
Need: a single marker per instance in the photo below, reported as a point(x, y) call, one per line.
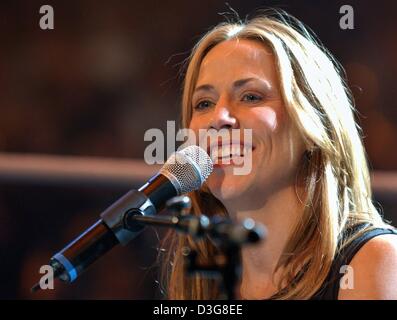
point(223, 116)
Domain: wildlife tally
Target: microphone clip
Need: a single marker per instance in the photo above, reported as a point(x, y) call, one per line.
point(133, 203)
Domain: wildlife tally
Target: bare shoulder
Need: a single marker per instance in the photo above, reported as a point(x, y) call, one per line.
point(373, 270)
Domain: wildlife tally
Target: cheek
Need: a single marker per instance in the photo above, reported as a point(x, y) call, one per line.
point(266, 116)
point(199, 121)
point(195, 126)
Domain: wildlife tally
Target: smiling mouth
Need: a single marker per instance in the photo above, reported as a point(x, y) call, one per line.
point(230, 154)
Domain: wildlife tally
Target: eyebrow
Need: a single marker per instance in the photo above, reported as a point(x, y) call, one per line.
point(236, 84)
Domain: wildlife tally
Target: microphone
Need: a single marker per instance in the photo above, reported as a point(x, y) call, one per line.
point(185, 171)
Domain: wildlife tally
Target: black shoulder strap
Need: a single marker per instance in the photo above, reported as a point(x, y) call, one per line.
point(330, 288)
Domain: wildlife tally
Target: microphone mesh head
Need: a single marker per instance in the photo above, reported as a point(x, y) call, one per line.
point(187, 169)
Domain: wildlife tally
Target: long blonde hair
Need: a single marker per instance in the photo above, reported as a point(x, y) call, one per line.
point(337, 180)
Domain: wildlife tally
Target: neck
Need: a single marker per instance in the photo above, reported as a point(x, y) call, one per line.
point(279, 214)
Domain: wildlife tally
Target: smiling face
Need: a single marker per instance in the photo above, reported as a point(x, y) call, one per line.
point(238, 88)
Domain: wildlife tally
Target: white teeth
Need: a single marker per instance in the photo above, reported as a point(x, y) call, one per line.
point(227, 151)
point(236, 150)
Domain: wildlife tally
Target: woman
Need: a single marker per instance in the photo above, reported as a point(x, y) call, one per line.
point(309, 182)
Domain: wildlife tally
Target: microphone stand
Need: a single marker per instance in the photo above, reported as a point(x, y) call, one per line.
point(229, 270)
point(230, 237)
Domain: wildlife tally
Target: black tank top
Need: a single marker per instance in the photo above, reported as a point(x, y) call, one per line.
point(330, 287)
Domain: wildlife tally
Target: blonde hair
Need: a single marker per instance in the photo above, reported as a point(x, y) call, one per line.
point(338, 189)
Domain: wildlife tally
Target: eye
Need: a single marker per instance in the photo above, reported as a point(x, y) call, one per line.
point(250, 97)
point(204, 104)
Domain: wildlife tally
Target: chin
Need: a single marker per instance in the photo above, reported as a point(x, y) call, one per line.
point(226, 186)
point(224, 194)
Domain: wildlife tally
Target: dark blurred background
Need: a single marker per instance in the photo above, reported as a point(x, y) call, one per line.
point(109, 71)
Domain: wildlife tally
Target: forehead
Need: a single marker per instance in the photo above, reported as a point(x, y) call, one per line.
point(239, 55)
